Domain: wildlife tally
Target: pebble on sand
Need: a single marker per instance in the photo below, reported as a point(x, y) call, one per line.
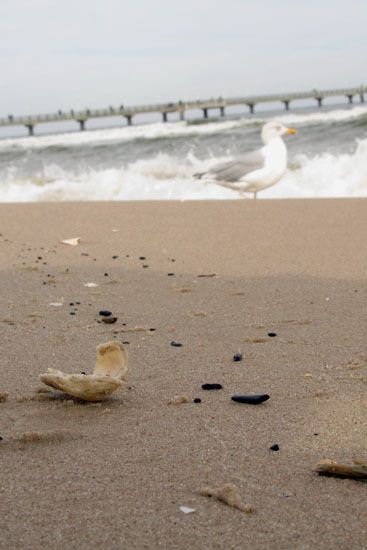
point(254, 399)
point(211, 386)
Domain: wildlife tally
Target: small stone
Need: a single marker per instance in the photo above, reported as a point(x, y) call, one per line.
point(237, 357)
point(254, 399)
point(176, 344)
point(114, 257)
point(106, 274)
point(105, 313)
point(72, 312)
point(211, 386)
point(170, 274)
point(145, 266)
point(197, 400)
point(109, 320)
point(141, 257)
point(272, 334)
point(275, 447)
point(71, 304)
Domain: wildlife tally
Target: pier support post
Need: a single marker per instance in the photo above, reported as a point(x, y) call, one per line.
point(30, 128)
point(205, 112)
point(361, 97)
point(164, 114)
point(129, 119)
point(319, 101)
point(286, 104)
point(350, 99)
point(81, 124)
point(222, 111)
point(251, 107)
point(182, 114)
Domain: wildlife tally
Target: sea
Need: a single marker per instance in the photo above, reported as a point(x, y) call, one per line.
point(154, 160)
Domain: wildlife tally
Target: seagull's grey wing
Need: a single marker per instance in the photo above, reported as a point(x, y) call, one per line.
point(236, 169)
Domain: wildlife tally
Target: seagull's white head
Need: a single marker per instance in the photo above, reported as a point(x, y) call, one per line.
point(273, 129)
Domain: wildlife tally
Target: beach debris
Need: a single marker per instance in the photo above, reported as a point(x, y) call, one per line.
point(3, 396)
point(208, 275)
point(196, 400)
point(237, 357)
point(183, 289)
point(109, 320)
point(114, 257)
point(71, 242)
point(56, 304)
point(135, 329)
point(328, 467)
point(176, 344)
point(179, 399)
point(170, 274)
point(211, 386)
point(198, 314)
point(108, 375)
point(187, 510)
point(272, 334)
point(256, 340)
point(274, 447)
point(254, 399)
point(90, 285)
point(105, 313)
point(228, 494)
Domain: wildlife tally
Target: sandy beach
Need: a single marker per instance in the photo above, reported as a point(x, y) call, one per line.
point(217, 277)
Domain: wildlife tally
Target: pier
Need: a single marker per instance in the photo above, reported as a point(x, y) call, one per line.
point(218, 105)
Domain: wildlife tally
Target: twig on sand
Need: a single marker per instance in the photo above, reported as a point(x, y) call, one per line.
point(332, 468)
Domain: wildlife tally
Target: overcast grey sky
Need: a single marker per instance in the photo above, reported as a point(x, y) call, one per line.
point(94, 53)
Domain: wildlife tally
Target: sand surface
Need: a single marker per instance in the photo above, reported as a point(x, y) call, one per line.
point(114, 475)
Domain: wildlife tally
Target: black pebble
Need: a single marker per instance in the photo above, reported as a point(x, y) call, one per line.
point(254, 399)
point(144, 265)
point(170, 274)
point(197, 400)
point(71, 304)
point(141, 257)
point(109, 320)
point(274, 447)
point(105, 313)
point(72, 312)
point(1, 438)
point(237, 357)
point(106, 274)
point(78, 303)
point(114, 257)
point(83, 373)
point(212, 386)
point(272, 334)
point(176, 344)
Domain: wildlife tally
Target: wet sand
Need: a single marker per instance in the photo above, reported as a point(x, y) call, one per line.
point(216, 277)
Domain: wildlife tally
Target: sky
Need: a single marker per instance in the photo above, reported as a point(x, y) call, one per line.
point(74, 54)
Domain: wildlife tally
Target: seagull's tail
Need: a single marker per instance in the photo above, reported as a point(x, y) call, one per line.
point(199, 175)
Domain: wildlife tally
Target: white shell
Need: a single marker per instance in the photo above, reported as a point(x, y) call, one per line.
point(72, 242)
point(108, 375)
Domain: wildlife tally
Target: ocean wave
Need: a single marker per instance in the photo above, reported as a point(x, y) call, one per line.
point(167, 130)
point(165, 177)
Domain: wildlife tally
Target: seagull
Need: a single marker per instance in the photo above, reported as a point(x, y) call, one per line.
point(257, 170)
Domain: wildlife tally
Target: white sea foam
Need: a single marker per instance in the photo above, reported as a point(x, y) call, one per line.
point(171, 130)
point(165, 177)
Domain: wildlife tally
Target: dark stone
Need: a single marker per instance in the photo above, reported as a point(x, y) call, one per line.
point(254, 399)
point(114, 257)
point(83, 373)
point(71, 304)
point(170, 274)
point(78, 303)
point(141, 257)
point(72, 312)
point(106, 274)
point(109, 320)
point(197, 400)
point(272, 334)
point(144, 265)
point(105, 313)
point(274, 447)
point(211, 386)
point(176, 344)
point(237, 357)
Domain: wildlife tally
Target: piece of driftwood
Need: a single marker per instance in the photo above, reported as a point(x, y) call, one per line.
point(358, 470)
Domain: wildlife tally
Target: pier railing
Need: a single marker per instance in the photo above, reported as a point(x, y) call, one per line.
point(180, 107)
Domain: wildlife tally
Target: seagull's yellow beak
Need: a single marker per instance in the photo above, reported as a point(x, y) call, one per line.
point(291, 131)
